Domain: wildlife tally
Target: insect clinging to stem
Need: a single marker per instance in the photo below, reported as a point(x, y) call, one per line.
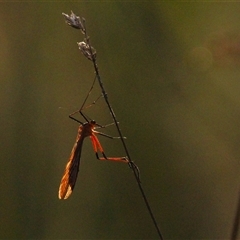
point(87, 129)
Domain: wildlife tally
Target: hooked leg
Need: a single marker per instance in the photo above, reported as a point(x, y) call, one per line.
point(97, 146)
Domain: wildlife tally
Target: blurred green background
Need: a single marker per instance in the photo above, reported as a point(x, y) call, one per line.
point(172, 73)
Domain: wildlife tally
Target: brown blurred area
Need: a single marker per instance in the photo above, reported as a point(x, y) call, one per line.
point(171, 71)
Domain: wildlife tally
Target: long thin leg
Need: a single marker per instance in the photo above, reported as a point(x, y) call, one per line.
point(120, 159)
point(80, 110)
point(97, 146)
point(89, 92)
point(93, 103)
point(106, 135)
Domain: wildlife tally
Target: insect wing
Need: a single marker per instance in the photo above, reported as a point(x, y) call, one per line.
point(71, 171)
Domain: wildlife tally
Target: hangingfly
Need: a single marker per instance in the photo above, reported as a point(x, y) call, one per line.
point(71, 171)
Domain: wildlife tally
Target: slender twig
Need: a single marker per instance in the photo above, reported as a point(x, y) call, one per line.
point(236, 221)
point(90, 53)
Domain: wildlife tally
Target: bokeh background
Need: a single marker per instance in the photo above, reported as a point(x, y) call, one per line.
point(172, 74)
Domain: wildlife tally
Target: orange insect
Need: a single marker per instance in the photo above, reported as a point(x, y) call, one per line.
point(87, 129)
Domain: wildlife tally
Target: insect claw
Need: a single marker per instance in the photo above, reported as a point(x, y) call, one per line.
point(136, 170)
point(125, 158)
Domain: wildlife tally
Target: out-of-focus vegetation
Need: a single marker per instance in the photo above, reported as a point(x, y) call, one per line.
point(172, 74)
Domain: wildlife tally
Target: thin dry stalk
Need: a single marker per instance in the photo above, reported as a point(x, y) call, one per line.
point(90, 53)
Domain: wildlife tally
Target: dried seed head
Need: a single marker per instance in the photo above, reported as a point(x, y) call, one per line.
point(86, 51)
point(74, 21)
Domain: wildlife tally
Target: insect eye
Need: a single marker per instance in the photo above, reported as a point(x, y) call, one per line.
point(93, 122)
